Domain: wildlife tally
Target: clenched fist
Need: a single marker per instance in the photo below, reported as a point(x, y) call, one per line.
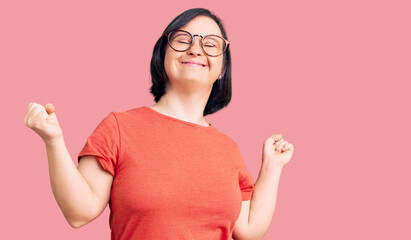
point(43, 120)
point(277, 151)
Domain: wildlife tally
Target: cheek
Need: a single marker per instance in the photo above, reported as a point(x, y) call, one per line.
point(216, 65)
point(169, 61)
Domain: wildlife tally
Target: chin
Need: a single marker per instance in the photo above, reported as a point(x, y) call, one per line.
point(192, 79)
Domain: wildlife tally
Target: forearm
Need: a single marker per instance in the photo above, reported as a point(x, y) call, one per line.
point(71, 191)
point(264, 198)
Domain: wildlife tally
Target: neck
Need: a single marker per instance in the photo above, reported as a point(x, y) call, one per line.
point(187, 107)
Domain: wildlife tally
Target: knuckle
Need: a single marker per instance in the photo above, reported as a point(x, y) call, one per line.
point(29, 123)
point(37, 125)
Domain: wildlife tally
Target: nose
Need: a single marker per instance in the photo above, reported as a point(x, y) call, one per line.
point(196, 49)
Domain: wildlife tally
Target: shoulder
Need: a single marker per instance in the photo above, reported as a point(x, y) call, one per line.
point(227, 141)
point(127, 114)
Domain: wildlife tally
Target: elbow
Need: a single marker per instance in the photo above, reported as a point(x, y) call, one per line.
point(256, 233)
point(79, 219)
point(258, 236)
point(248, 237)
point(75, 224)
point(78, 223)
point(253, 238)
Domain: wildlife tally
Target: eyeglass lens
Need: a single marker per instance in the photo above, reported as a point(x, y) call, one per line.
point(212, 45)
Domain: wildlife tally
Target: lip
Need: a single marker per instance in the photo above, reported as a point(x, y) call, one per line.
point(194, 63)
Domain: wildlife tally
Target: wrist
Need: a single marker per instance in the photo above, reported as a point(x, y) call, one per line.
point(272, 166)
point(53, 142)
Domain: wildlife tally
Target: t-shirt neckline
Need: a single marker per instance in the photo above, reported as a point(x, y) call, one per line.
point(176, 119)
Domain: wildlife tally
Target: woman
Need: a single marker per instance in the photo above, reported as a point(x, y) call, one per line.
point(165, 172)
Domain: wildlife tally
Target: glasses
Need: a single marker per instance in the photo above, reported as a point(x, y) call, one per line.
point(213, 45)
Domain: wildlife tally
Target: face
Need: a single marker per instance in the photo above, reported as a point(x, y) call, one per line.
point(175, 63)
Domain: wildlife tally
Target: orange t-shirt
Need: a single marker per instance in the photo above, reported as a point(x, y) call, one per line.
point(173, 179)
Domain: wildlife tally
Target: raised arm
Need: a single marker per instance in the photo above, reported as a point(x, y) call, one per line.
point(82, 193)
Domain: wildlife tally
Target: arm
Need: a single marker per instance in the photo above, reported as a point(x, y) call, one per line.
point(256, 214)
point(264, 200)
point(255, 220)
point(83, 193)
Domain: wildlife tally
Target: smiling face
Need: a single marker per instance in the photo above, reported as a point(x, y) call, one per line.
point(193, 65)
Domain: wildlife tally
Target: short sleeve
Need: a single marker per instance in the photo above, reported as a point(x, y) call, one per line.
point(245, 180)
point(246, 185)
point(104, 143)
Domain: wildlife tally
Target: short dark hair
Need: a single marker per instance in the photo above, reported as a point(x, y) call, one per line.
point(220, 94)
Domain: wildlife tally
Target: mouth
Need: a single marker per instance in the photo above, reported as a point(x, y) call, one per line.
point(194, 64)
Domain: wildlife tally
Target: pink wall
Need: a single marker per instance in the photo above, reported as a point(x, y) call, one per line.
point(333, 78)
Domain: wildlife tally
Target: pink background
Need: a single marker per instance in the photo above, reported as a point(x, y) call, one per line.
point(331, 76)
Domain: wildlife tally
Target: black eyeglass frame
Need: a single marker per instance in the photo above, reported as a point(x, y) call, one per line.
point(192, 41)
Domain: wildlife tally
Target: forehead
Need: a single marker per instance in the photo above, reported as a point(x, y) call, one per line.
point(202, 25)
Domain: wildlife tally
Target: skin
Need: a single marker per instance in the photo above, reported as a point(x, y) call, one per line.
point(83, 193)
point(189, 86)
point(186, 96)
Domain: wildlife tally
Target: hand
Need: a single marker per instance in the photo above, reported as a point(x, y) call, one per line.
point(43, 121)
point(277, 151)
